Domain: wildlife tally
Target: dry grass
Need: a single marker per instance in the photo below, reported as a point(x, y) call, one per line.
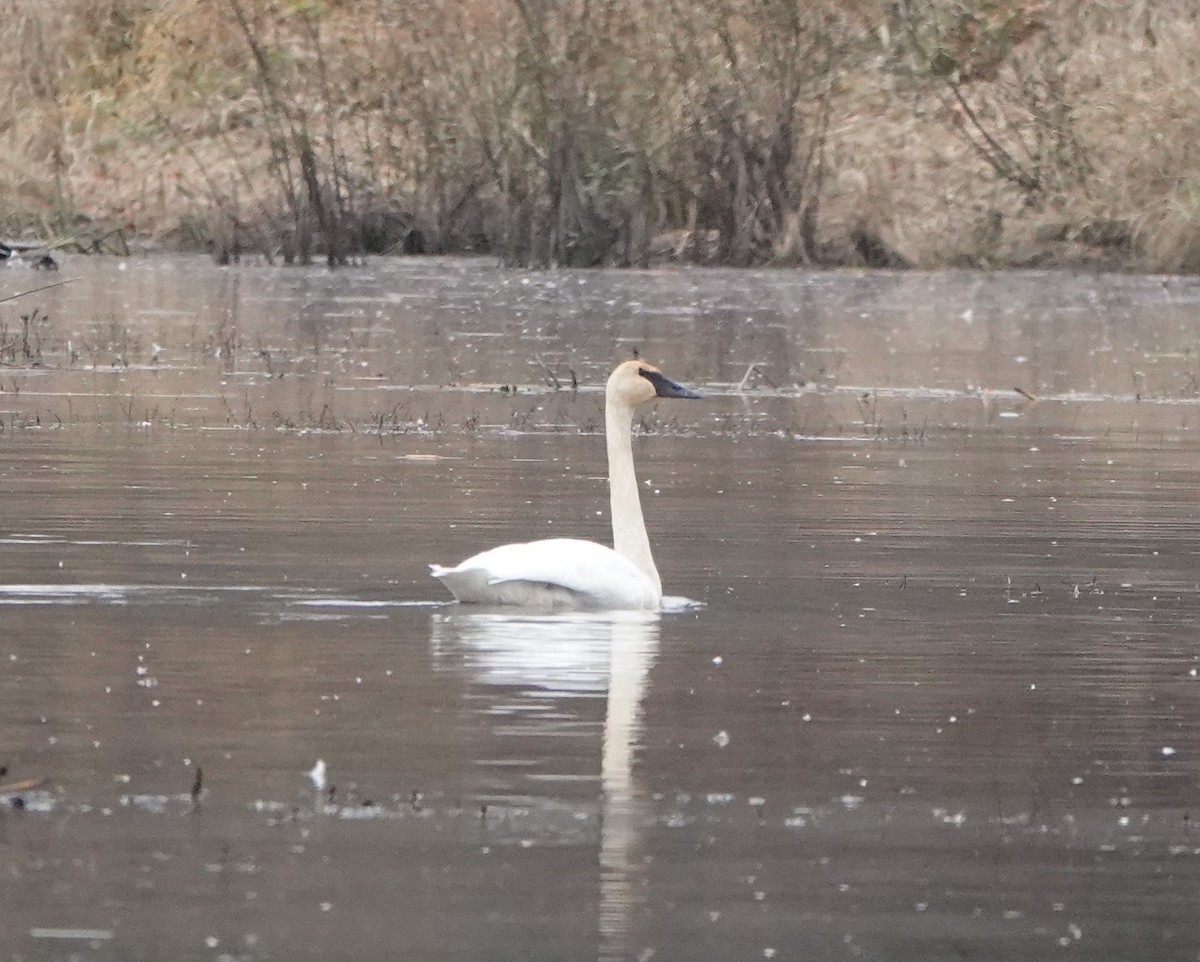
point(927, 133)
point(1143, 124)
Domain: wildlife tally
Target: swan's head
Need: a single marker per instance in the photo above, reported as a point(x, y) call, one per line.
point(636, 382)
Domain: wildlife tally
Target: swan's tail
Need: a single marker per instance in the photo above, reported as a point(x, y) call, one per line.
point(468, 584)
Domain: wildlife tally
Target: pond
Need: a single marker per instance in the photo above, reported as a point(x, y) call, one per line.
point(939, 698)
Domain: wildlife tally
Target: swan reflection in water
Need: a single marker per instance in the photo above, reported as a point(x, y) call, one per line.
point(571, 655)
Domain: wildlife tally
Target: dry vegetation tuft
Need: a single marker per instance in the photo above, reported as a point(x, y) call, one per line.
point(591, 132)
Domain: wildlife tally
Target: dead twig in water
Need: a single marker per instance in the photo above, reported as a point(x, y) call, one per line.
point(37, 290)
point(550, 376)
point(1025, 394)
point(754, 368)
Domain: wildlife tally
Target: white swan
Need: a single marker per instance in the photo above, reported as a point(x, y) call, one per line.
point(567, 572)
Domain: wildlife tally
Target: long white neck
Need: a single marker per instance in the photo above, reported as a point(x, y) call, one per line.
point(629, 528)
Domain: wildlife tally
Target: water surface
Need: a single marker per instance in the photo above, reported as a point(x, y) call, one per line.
point(940, 702)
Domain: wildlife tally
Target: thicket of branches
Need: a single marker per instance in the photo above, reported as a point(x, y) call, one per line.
point(593, 132)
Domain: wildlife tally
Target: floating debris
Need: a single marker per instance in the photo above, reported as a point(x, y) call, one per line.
point(84, 935)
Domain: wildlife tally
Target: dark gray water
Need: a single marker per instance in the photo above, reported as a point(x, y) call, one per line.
point(941, 703)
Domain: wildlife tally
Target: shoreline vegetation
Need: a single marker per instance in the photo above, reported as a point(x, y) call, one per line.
point(982, 133)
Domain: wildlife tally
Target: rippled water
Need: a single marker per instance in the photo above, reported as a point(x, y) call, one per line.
point(941, 702)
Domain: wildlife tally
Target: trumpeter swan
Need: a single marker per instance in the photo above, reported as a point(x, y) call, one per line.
point(568, 572)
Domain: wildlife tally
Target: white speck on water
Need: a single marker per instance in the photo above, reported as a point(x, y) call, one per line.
point(851, 802)
point(212, 941)
point(721, 738)
point(317, 775)
point(326, 906)
point(1167, 751)
point(806, 717)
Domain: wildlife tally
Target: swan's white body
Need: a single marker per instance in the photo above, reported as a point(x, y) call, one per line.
point(567, 572)
point(556, 573)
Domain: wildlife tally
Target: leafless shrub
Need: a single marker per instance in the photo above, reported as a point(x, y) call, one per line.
point(590, 132)
point(1001, 69)
point(756, 84)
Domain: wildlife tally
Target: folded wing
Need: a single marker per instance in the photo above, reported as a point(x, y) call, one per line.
point(554, 573)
